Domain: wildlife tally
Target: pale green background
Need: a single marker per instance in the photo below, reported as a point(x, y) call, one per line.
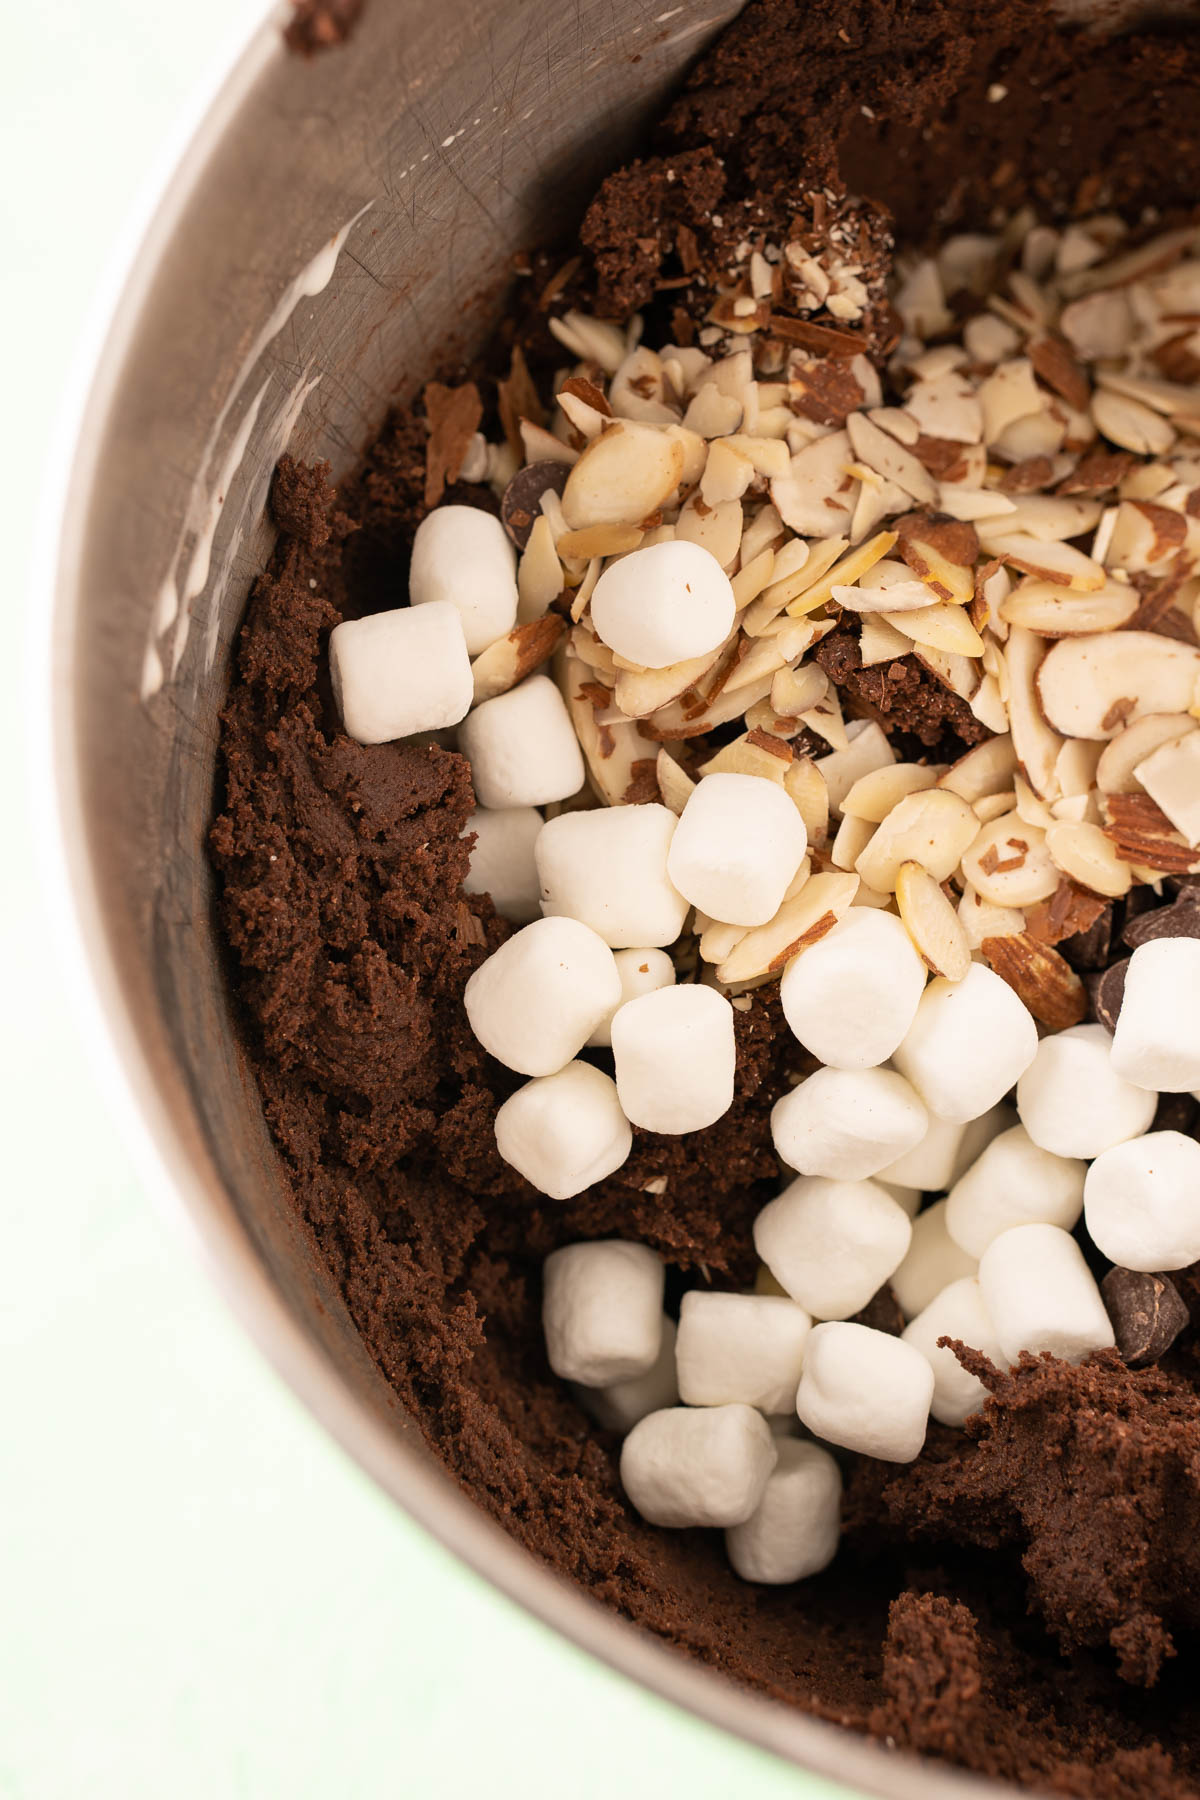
point(200, 1598)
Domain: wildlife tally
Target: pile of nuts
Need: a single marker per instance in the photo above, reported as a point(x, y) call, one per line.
point(681, 812)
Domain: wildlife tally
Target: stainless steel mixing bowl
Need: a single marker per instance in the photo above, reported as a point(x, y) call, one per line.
point(326, 223)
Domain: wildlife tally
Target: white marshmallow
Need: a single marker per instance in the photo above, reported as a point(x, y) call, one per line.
point(1142, 1202)
point(1040, 1295)
point(865, 1391)
point(461, 556)
point(967, 1045)
point(934, 1260)
point(536, 1000)
point(832, 1244)
point(396, 673)
point(620, 1404)
point(852, 995)
point(705, 1465)
point(739, 843)
point(909, 1198)
point(664, 604)
point(746, 1347)
point(794, 1530)
point(563, 1132)
point(602, 1311)
point(640, 972)
point(847, 1123)
point(957, 1312)
point(1073, 1102)
point(946, 1151)
point(609, 868)
point(522, 747)
point(674, 1055)
point(1014, 1182)
point(1157, 1040)
point(502, 861)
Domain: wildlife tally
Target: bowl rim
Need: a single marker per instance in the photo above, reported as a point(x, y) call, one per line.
point(126, 1079)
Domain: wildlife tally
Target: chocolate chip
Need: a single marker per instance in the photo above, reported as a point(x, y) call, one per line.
point(1175, 1112)
point(1090, 949)
point(1146, 1311)
point(521, 503)
point(1107, 992)
point(1179, 920)
point(882, 1313)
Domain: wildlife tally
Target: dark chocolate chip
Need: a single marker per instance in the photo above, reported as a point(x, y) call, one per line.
point(1090, 949)
point(1107, 992)
point(1175, 1112)
point(1146, 1311)
point(521, 503)
point(1179, 920)
point(882, 1313)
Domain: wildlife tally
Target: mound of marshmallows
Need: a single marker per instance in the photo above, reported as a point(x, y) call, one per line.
point(910, 1101)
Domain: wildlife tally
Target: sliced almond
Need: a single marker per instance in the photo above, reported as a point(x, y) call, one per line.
point(815, 560)
point(638, 389)
point(622, 476)
point(845, 573)
point(902, 595)
point(592, 340)
point(691, 715)
point(1055, 612)
point(1090, 687)
point(1036, 743)
point(1116, 771)
point(598, 540)
point(795, 690)
point(806, 786)
point(1008, 863)
point(994, 806)
point(800, 922)
point(1029, 807)
point(752, 754)
point(640, 692)
point(873, 796)
point(752, 577)
point(718, 941)
point(1171, 777)
point(1059, 563)
point(727, 474)
point(510, 659)
point(880, 642)
point(1040, 977)
point(868, 749)
point(961, 674)
point(540, 445)
point(618, 756)
point(816, 497)
point(1167, 397)
point(675, 785)
point(933, 828)
point(1075, 770)
point(980, 919)
point(1099, 326)
point(941, 555)
point(1131, 424)
point(1009, 393)
point(852, 837)
point(932, 923)
point(717, 529)
point(1050, 518)
point(767, 655)
point(694, 450)
point(1087, 857)
point(987, 769)
point(1144, 538)
point(942, 626)
point(889, 458)
point(539, 573)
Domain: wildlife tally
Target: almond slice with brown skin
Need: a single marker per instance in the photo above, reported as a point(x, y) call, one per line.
point(1040, 977)
point(1091, 687)
point(510, 659)
point(941, 553)
point(931, 922)
point(640, 692)
point(622, 476)
point(987, 769)
point(1055, 612)
point(806, 786)
point(961, 674)
point(1116, 772)
point(620, 760)
point(1008, 863)
point(1036, 744)
point(1060, 563)
point(675, 785)
point(1087, 857)
point(933, 828)
point(890, 459)
point(754, 753)
point(800, 922)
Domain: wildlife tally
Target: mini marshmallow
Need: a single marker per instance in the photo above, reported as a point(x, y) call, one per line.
point(502, 861)
point(909, 1198)
point(536, 1000)
point(957, 1312)
point(609, 868)
point(847, 1123)
point(1142, 1202)
point(851, 996)
point(967, 1045)
point(1014, 1182)
point(1040, 1295)
point(620, 1404)
point(396, 673)
point(745, 1347)
point(563, 1132)
point(832, 1244)
point(739, 844)
point(640, 972)
point(794, 1530)
point(522, 747)
point(705, 1465)
point(602, 1311)
point(865, 1391)
point(462, 557)
point(664, 604)
point(934, 1260)
point(1072, 1100)
point(946, 1151)
point(674, 1055)
point(1156, 1043)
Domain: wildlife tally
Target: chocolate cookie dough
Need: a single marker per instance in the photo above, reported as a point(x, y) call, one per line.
point(1018, 1600)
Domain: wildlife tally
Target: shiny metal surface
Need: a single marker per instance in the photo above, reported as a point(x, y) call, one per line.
point(462, 145)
